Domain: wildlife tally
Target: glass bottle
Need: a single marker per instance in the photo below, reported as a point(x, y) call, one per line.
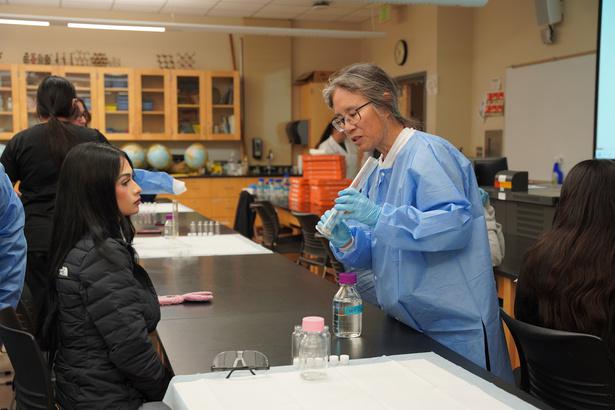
point(347, 307)
point(169, 226)
point(313, 349)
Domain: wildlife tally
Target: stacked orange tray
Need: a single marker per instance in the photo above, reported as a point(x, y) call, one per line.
point(299, 194)
point(324, 166)
point(323, 193)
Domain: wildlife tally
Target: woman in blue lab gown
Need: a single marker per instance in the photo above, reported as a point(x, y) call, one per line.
point(418, 224)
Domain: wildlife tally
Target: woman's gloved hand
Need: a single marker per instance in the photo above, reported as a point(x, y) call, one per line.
point(340, 234)
point(357, 206)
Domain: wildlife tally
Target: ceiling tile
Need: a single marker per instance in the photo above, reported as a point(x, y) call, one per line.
point(85, 4)
point(304, 3)
point(276, 15)
point(50, 3)
point(248, 8)
point(186, 10)
point(191, 3)
point(229, 13)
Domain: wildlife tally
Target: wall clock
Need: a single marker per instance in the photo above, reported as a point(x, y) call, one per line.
point(401, 52)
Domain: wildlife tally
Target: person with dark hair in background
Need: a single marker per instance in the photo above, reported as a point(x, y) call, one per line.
point(567, 280)
point(82, 116)
point(102, 304)
point(418, 224)
point(333, 141)
point(33, 157)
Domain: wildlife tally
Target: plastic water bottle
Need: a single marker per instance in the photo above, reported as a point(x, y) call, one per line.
point(347, 307)
point(169, 226)
point(313, 349)
point(296, 338)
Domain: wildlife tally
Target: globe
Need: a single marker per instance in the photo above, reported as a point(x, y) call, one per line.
point(136, 153)
point(194, 156)
point(159, 157)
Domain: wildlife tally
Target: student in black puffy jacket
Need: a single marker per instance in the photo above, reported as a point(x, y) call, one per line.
point(102, 303)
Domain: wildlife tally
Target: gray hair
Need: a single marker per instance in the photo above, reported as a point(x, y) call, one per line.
point(370, 81)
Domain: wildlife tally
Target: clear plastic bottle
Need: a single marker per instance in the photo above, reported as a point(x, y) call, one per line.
point(313, 349)
point(169, 226)
point(296, 342)
point(347, 307)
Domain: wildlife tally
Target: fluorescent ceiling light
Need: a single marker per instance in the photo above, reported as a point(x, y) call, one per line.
point(115, 27)
point(25, 22)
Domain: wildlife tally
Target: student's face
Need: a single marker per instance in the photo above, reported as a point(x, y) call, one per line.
point(367, 132)
point(80, 120)
point(127, 191)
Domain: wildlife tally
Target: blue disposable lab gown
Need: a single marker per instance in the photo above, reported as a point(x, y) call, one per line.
point(429, 251)
point(12, 244)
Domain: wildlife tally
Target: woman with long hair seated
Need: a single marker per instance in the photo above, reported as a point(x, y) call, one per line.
point(567, 280)
point(102, 303)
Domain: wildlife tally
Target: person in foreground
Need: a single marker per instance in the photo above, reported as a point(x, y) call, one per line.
point(567, 279)
point(102, 304)
point(418, 224)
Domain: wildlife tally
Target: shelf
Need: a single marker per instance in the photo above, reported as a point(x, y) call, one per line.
point(6, 113)
point(117, 112)
point(223, 106)
point(115, 89)
point(188, 105)
point(6, 89)
point(152, 90)
point(83, 89)
point(152, 112)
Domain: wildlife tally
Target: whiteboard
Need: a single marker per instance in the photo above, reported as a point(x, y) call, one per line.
point(549, 113)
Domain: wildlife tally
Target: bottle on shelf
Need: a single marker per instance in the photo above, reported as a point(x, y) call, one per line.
point(260, 189)
point(9, 103)
point(169, 226)
point(347, 307)
point(313, 349)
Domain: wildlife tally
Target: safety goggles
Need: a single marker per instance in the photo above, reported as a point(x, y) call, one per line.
point(239, 360)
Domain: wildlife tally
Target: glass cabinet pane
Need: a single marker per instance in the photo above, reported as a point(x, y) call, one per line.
point(6, 102)
point(116, 103)
point(188, 105)
point(153, 118)
point(33, 79)
point(223, 108)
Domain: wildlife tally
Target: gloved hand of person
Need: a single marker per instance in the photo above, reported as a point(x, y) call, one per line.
point(484, 196)
point(340, 234)
point(357, 206)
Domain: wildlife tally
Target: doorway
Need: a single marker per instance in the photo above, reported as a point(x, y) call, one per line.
point(412, 98)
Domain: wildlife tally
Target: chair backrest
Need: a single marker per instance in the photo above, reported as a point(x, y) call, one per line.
point(269, 218)
point(565, 370)
point(33, 389)
point(311, 244)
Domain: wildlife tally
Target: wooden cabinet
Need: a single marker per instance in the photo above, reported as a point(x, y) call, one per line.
point(215, 198)
point(223, 114)
point(312, 107)
point(153, 104)
point(9, 95)
point(132, 104)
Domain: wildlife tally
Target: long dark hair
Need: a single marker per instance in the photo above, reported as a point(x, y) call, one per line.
point(86, 206)
point(55, 98)
point(571, 268)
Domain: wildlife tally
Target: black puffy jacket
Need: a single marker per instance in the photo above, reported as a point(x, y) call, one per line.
point(106, 308)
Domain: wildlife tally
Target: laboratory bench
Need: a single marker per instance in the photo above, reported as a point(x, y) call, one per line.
point(258, 299)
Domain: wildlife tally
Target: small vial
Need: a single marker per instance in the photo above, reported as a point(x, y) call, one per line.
point(200, 227)
point(344, 359)
point(334, 360)
point(217, 228)
point(169, 226)
point(192, 229)
point(210, 228)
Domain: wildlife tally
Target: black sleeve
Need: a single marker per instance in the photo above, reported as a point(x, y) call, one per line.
point(113, 300)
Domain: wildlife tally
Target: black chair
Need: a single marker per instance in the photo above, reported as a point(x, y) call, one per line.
point(33, 387)
point(273, 236)
point(563, 369)
point(332, 262)
point(313, 252)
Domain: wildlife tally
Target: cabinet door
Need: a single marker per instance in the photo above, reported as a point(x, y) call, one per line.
point(223, 113)
point(116, 107)
point(9, 116)
point(30, 76)
point(84, 80)
point(187, 98)
point(153, 104)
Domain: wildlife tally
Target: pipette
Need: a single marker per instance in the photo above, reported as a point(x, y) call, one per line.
point(357, 183)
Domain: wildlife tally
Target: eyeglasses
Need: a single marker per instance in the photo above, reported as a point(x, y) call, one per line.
point(352, 118)
point(240, 360)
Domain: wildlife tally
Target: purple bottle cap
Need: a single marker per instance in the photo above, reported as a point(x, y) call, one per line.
point(347, 278)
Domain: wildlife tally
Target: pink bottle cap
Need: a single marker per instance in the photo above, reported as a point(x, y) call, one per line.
point(313, 324)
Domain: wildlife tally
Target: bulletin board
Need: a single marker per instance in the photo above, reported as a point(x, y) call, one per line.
point(549, 113)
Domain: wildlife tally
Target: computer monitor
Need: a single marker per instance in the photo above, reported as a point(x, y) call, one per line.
point(486, 168)
point(604, 121)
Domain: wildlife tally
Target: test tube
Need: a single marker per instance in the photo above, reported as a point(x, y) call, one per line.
point(357, 183)
point(217, 228)
point(192, 229)
point(200, 225)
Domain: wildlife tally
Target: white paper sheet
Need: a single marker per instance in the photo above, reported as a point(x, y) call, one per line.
point(162, 207)
point(415, 381)
point(188, 246)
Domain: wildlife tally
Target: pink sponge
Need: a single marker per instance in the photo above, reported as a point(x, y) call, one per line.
point(201, 296)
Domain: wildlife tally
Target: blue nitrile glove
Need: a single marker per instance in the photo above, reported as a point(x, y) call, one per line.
point(484, 196)
point(340, 234)
point(158, 183)
point(357, 206)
